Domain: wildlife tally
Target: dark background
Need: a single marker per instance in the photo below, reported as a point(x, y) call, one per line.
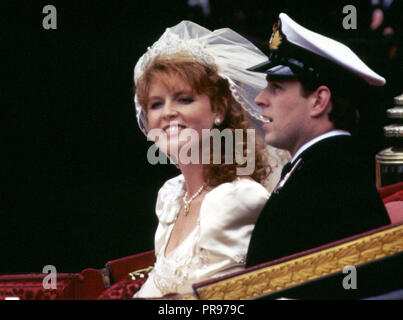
point(76, 188)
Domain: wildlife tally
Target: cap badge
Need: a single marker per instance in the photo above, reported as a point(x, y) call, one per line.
point(276, 38)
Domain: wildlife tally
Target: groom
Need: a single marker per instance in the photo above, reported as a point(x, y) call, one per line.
point(324, 194)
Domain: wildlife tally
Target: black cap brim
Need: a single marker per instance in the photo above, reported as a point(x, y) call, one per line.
point(280, 71)
point(261, 67)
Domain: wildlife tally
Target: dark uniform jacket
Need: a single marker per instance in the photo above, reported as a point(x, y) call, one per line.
point(329, 196)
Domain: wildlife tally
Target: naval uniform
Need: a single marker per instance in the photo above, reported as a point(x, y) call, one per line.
point(327, 196)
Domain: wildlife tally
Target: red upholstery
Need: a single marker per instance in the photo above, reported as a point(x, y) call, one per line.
point(395, 210)
point(87, 284)
point(30, 287)
point(387, 191)
point(125, 287)
point(392, 196)
point(92, 284)
point(121, 267)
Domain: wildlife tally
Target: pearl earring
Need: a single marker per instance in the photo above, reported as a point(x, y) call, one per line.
point(217, 121)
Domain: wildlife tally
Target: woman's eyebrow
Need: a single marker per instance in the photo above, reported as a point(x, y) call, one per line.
point(154, 98)
point(181, 92)
point(176, 94)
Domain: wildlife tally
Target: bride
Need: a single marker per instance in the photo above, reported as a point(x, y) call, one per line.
point(193, 81)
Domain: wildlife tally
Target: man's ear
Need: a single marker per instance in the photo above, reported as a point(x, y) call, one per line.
point(321, 101)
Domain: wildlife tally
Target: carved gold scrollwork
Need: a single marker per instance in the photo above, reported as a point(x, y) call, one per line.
point(318, 264)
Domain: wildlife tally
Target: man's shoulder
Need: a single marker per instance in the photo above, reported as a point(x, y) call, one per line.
point(335, 145)
point(335, 154)
point(331, 171)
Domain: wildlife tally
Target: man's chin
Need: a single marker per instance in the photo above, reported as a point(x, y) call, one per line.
point(269, 139)
point(273, 142)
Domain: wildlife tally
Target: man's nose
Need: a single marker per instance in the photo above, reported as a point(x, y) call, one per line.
point(262, 100)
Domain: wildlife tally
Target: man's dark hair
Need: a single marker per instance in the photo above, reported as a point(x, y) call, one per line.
point(344, 114)
point(346, 96)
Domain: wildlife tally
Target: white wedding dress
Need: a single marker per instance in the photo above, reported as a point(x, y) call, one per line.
point(218, 244)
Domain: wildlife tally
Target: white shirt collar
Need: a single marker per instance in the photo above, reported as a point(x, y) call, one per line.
point(317, 139)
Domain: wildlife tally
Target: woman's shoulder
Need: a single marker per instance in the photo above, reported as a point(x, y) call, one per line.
point(229, 212)
point(168, 204)
point(242, 194)
point(173, 183)
point(240, 189)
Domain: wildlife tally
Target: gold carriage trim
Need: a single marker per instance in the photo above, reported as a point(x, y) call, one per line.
point(266, 280)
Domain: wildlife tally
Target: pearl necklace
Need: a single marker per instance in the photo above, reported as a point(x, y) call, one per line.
point(187, 202)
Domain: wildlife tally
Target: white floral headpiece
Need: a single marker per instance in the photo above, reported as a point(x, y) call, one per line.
point(231, 53)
